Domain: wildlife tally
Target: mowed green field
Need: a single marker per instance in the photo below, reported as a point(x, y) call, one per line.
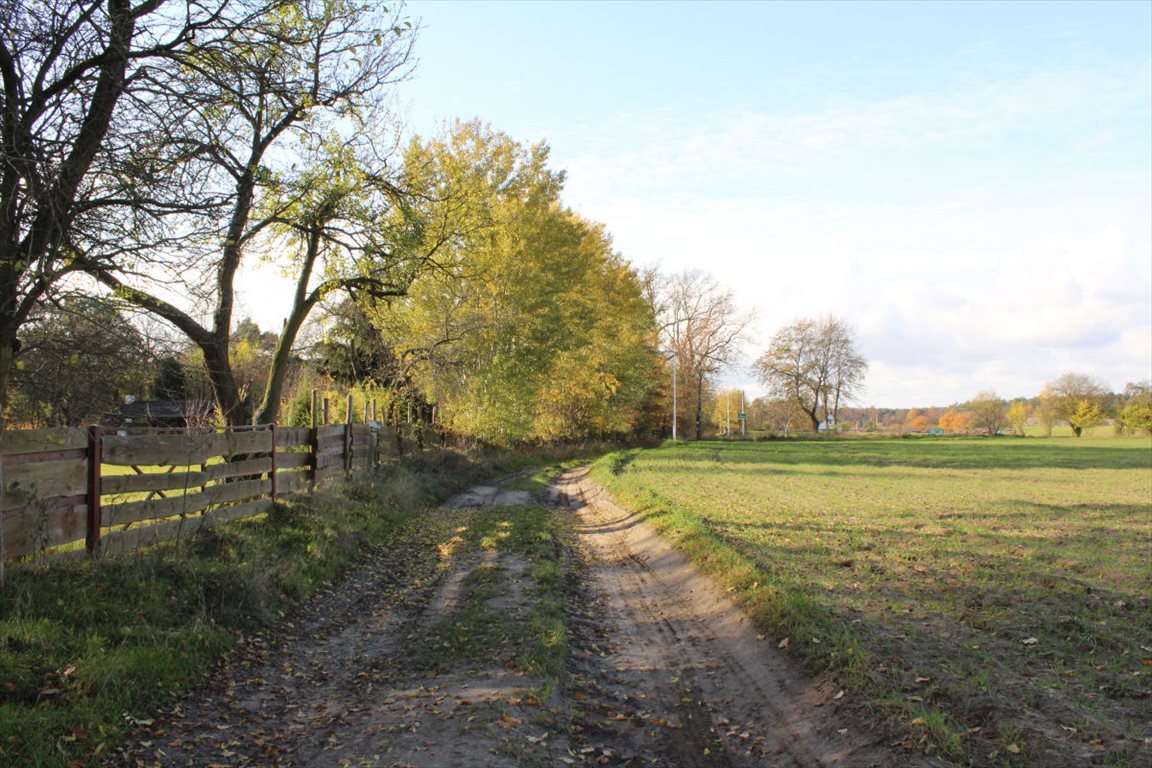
point(990, 600)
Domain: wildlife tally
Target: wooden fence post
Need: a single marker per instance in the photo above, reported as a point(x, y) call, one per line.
point(272, 473)
point(314, 438)
point(348, 418)
point(95, 459)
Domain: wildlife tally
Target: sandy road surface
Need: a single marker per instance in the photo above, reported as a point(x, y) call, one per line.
point(672, 642)
point(663, 671)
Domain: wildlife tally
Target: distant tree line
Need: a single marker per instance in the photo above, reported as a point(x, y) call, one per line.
point(1074, 400)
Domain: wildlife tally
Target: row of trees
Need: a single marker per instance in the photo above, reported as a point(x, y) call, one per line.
point(1073, 399)
point(150, 150)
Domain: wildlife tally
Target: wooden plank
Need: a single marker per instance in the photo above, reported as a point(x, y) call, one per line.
point(112, 485)
point(288, 460)
point(26, 484)
point(39, 457)
point(237, 511)
point(326, 461)
point(250, 441)
point(183, 449)
point(329, 441)
point(37, 440)
point(126, 540)
point(135, 511)
point(292, 437)
point(33, 529)
point(229, 469)
point(148, 535)
point(293, 482)
point(330, 430)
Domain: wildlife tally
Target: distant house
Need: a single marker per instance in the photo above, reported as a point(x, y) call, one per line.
point(164, 413)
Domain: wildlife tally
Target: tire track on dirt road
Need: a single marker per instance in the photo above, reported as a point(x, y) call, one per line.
point(683, 674)
point(663, 671)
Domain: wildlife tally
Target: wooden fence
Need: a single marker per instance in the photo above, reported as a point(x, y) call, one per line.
point(118, 489)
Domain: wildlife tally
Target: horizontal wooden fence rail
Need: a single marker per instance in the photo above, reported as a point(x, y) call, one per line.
point(116, 489)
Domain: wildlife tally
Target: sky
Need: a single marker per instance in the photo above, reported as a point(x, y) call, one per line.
point(968, 185)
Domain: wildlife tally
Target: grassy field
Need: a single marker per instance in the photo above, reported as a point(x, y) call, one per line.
point(987, 599)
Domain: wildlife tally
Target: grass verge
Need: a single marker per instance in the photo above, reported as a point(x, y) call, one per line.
point(89, 647)
point(509, 614)
point(988, 599)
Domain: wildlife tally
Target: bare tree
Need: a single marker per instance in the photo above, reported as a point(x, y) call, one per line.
point(701, 326)
point(65, 66)
point(815, 364)
point(78, 359)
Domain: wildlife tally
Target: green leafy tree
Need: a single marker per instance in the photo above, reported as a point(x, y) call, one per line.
point(988, 413)
point(533, 328)
point(1136, 412)
point(353, 352)
point(170, 382)
point(1076, 399)
point(1018, 415)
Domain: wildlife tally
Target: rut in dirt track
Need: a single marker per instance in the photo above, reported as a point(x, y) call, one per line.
point(690, 680)
point(663, 669)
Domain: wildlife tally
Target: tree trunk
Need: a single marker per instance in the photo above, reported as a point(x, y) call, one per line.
point(302, 304)
point(236, 411)
point(700, 407)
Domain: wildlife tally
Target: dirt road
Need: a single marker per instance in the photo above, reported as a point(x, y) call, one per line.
point(663, 670)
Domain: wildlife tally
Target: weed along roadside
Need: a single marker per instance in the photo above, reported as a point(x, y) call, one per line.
point(986, 600)
point(89, 647)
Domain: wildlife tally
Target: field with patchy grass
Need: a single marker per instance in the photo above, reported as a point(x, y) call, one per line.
point(989, 597)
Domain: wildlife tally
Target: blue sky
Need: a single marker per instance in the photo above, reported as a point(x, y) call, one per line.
point(968, 184)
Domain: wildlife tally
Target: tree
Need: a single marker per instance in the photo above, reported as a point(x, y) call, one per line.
point(988, 413)
point(1136, 413)
point(170, 382)
point(65, 68)
point(78, 360)
point(354, 352)
point(815, 364)
point(725, 411)
point(284, 125)
point(1076, 399)
point(701, 326)
point(1085, 415)
point(776, 416)
point(1018, 414)
point(955, 421)
point(533, 327)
